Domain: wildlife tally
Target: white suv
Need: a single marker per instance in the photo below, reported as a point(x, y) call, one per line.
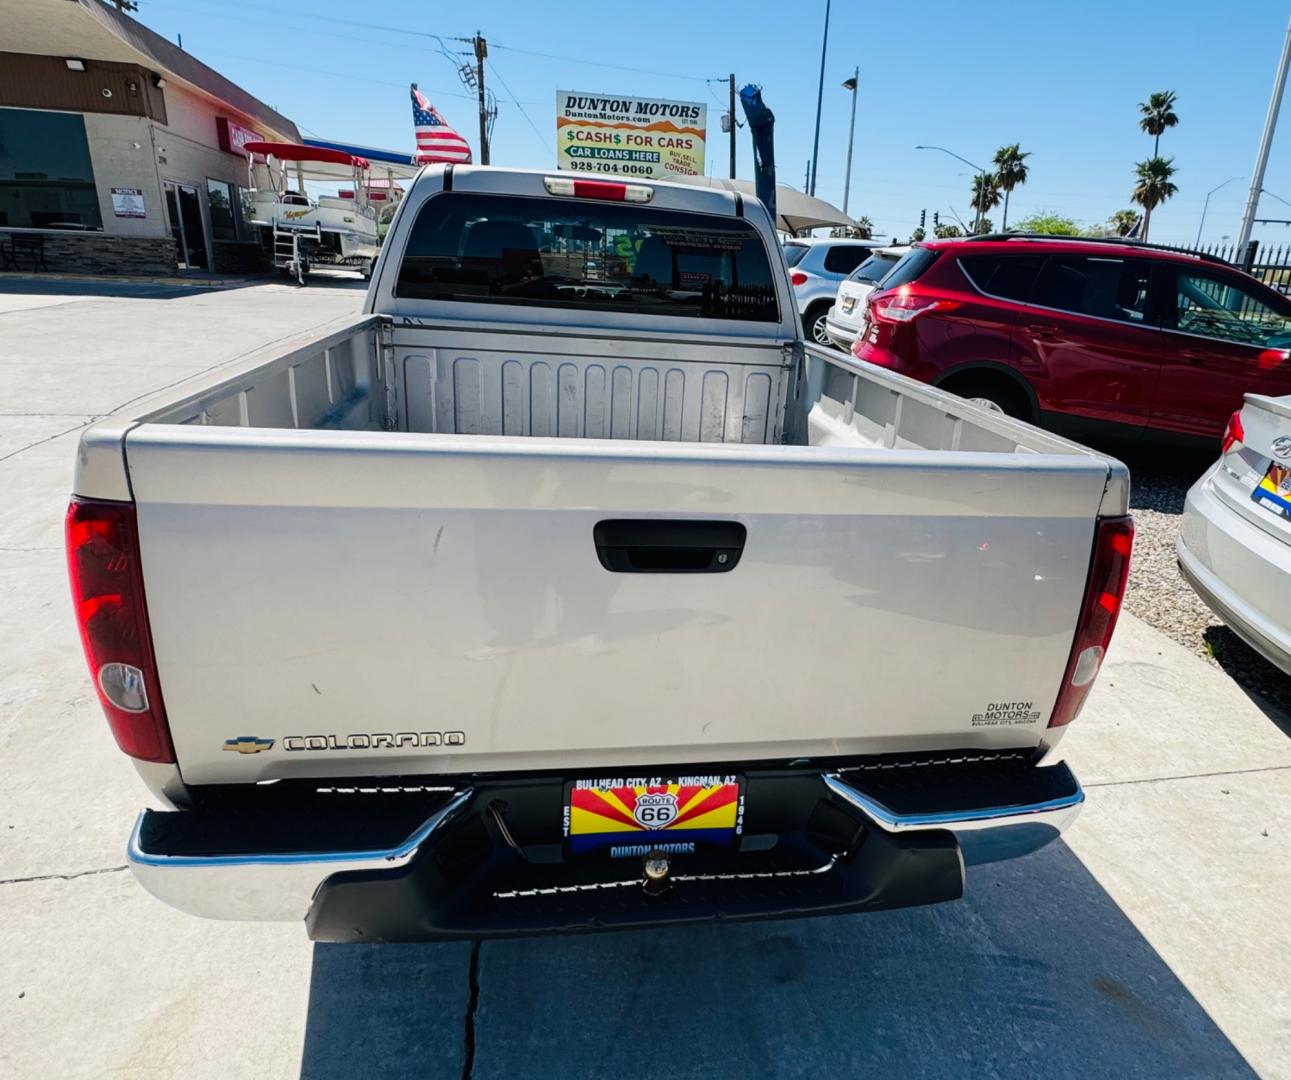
point(816, 267)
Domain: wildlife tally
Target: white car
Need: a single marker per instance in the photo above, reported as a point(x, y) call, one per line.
point(1235, 544)
point(843, 322)
point(817, 266)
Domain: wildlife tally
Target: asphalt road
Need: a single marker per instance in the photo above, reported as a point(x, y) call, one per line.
point(1153, 942)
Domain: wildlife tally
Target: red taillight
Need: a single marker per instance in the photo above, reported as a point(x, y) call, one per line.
point(107, 595)
point(902, 306)
point(797, 278)
point(1233, 433)
point(1104, 591)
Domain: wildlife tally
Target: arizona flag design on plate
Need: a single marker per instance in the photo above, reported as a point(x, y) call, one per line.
point(632, 819)
point(1274, 490)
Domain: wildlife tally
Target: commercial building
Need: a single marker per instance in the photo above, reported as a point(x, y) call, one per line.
point(120, 152)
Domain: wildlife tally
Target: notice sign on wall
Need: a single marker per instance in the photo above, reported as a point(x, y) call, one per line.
point(647, 137)
point(128, 202)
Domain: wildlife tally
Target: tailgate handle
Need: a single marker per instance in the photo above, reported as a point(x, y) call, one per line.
point(646, 546)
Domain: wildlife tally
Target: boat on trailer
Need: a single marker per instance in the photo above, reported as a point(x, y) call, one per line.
point(298, 231)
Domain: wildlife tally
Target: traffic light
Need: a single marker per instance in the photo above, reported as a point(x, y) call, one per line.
point(935, 217)
point(923, 217)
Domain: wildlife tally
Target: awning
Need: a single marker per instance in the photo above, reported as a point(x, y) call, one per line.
point(401, 165)
point(284, 151)
point(794, 210)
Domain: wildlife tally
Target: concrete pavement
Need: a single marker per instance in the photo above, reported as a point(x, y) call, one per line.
point(1153, 943)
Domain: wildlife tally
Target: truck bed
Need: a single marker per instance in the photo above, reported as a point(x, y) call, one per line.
point(380, 550)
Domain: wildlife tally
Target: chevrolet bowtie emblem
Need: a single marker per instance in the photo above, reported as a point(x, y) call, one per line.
point(247, 744)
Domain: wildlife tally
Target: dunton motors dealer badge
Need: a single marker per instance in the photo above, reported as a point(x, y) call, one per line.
point(1005, 714)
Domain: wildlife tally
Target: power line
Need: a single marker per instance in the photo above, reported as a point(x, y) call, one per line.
point(295, 28)
point(298, 13)
point(599, 64)
point(404, 31)
point(275, 62)
point(498, 75)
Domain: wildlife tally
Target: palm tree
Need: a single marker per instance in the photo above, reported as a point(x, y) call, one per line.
point(1158, 114)
point(1010, 171)
point(1123, 221)
point(1152, 186)
point(864, 227)
point(986, 195)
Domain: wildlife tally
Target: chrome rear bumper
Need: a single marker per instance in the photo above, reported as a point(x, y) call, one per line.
point(263, 886)
point(985, 834)
point(185, 860)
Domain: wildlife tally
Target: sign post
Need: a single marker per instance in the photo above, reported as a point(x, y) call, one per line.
point(647, 137)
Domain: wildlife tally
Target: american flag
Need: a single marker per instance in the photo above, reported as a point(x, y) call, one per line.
point(436, 140)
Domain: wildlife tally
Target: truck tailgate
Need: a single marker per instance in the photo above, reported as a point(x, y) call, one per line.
point(381, 604)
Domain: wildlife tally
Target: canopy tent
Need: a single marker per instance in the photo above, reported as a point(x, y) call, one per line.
point(794, 210)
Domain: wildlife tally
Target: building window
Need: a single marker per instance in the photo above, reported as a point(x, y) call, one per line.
point(230, 211)
point(46, 180)
point(224, 210)
point(247, 205)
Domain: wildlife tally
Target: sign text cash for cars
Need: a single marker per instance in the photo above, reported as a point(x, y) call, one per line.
point(646, 137)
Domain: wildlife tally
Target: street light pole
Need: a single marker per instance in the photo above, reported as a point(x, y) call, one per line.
point(977, 221)
point(1266, 141)
point(820, 98)
point(731, 87)
point(850, 84)
point(1201, 224)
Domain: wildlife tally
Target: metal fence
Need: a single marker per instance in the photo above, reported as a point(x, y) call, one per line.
point(1270, 263)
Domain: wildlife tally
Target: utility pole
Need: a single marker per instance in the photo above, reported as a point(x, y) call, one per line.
point(481, 51)
point(732, 107)
point(850, 84)
point(1266, 142)
point(820, 98)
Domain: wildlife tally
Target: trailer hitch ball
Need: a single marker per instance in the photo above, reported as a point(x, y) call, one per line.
point(654, 870)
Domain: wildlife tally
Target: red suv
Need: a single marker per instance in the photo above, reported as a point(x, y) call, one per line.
point(1086, 337)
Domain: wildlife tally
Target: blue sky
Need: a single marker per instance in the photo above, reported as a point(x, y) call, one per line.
point(1062, 79)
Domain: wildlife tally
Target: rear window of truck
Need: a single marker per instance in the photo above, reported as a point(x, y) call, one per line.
point(601, 256)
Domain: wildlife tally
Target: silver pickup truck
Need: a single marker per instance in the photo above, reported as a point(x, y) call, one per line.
point(567, 588)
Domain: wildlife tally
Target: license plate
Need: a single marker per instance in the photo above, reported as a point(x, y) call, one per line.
point(1273, 492)
point(628, 818)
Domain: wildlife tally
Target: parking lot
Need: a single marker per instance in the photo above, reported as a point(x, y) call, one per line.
point(1152, 942)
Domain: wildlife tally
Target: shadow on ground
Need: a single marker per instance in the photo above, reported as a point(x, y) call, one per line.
point(20, 285)
point(1036, 973)
point(1268, 686)
point(17, 285)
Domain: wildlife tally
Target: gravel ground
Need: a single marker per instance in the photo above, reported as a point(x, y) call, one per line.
point(1160, 597)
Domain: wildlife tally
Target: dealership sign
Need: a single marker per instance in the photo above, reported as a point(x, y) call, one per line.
point(233, 136)
point(648, 137)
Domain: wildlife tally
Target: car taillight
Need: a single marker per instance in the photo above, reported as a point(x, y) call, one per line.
point(107, 595)
point(1233, 433)
point(1104, 591)
point(904, 306)
point(797, 278)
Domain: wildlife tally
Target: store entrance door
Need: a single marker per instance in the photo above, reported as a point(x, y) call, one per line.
point(184, 209)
